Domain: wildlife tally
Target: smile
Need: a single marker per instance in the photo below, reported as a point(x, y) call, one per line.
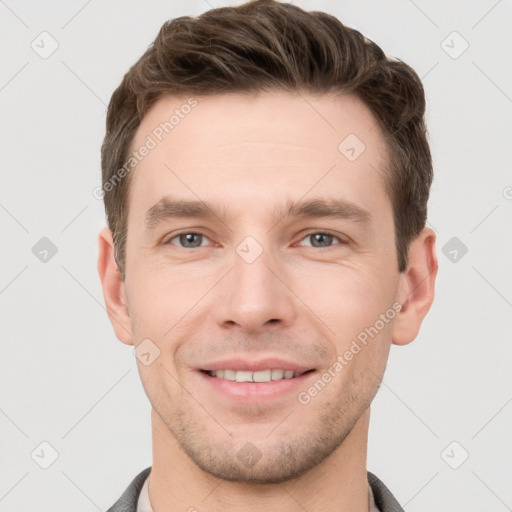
point(254, 376)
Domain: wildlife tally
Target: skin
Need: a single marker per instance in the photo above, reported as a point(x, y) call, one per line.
point(248, 154)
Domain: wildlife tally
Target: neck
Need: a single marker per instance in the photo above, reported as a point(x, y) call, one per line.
point(338, 483)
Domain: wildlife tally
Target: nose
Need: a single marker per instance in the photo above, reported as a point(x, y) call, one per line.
point(255, 296)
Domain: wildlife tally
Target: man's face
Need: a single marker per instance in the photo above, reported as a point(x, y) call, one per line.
point(250, 288)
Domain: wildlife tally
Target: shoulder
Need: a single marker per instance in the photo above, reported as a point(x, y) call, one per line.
point(128, 501)
point(384, 499)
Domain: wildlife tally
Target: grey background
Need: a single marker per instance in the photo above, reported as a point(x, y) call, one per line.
point(67, 381)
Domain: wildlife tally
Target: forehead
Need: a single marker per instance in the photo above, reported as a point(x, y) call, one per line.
point(239, 146)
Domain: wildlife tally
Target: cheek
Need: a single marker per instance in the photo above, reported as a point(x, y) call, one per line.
point(162, 300)
point(160, 384)
point(157, 289)
point(346, 299)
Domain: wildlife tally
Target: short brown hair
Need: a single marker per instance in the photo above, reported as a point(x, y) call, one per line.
point(266, 45)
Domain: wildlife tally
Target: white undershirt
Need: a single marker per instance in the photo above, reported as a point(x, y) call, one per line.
point(144, 505)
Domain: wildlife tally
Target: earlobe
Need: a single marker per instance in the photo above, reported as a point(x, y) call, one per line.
point(416, 288)
point(113, 288)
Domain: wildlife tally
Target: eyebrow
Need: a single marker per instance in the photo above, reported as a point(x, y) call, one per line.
point(169, 208)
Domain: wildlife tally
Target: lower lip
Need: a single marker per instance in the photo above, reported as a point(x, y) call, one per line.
point(243, 391)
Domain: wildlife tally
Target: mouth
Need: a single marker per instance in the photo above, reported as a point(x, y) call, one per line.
point(245, 379)
point(258, 376)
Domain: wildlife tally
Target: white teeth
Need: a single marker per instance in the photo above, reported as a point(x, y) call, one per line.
point(277, 374)
point(258, 376)
point(242, 376)
point(228, 374)
point(262, 376)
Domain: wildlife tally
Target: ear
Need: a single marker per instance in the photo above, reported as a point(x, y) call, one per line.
point(416, 287)
point(113, 288)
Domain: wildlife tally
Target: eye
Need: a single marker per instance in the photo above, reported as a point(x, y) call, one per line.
point(322, 239)
point(188, 240)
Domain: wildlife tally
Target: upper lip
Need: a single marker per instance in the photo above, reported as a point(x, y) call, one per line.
point(255, 365)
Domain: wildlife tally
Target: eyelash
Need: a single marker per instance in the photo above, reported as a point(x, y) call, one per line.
point(323, 232)
point(328, 233)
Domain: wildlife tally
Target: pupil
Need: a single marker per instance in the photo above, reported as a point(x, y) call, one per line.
point(322, 238)
point(188, 240)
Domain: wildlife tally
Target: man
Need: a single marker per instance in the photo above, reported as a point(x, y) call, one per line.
point(266, 174)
